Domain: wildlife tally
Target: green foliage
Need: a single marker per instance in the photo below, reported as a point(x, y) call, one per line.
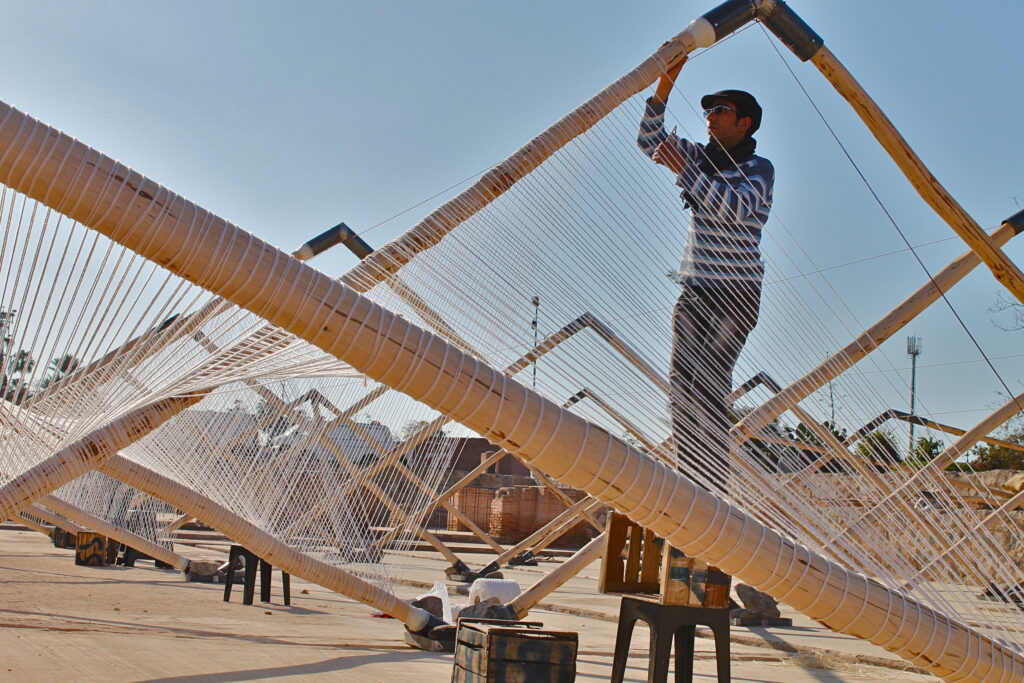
point(927, 448)
point(994, 457)
point(879, 445)
point(14, 380)
point(986, 456)
point(59, 368)
point(804, 434)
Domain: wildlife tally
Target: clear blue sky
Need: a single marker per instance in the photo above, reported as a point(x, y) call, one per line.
point(288, 117)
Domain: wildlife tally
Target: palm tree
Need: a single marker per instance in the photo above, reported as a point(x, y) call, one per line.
point(59, 368)
point(14, 383)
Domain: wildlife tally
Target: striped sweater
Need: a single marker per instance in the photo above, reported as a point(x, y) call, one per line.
point(729, 210)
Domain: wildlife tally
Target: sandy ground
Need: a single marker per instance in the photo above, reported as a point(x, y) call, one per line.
point(62, 622)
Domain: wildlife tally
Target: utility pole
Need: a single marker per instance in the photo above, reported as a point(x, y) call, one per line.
point(536, 317)
point(913, 350)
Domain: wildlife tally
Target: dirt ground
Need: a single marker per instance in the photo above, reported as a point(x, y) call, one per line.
point(62, 622)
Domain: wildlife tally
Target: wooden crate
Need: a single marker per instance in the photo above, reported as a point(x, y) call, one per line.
point(513, 652)
point(94, 550)
point(636, 562)
point(632, 558)
point(689, 581)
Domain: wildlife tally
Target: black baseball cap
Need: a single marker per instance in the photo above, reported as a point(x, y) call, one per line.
point(745, 103)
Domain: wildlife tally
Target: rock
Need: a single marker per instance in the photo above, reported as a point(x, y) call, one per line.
point(490, 608)
point(443, 632)
point(742, 614)
point(760, 603)
point(432, 604)
point(1015, 483)
point(203, 567)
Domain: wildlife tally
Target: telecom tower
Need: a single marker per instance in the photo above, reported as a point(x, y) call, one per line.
point(913, 350)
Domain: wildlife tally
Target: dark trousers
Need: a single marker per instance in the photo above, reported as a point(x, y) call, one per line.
point(709, 329)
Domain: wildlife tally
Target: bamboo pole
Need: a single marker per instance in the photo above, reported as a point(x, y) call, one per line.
point(263, 544)
point(102, 526)
point(368, 484)
point(119, 360)
point(870, 339)
point(626, 351)
point(529, 598)
point(33, 525)
point(53, 518)
point(354, 475)
point(955, 431)
point(836, 449)
point(462, 483)
point(85, 454)
point(556, 531)
point(948, 456)
point(1007, 507)
point(180, 521)
point(936, 196)
point(495, 182)
point(134, 211)
point(545, 345)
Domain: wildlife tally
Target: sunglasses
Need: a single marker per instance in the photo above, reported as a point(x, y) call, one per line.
point(718, 109)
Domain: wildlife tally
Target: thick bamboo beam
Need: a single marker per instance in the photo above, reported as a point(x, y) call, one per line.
point(1005, 270)
point(261, 543)
point(871, 338)
point(102, 526)
point(195, 244)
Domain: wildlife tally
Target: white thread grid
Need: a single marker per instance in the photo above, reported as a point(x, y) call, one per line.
point(576, 369)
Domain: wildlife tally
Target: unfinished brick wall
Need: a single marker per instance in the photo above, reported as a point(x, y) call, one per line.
point(475, 503)
point(518, 511)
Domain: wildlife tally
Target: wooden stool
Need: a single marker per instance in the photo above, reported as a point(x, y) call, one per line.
point(668, 623)
point(249, 582)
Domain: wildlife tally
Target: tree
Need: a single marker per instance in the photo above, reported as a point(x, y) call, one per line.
point(413, 427)
point(927, 448)
point(14, 382)
point(1010, 308)
point(996, 457)
point(879, 445)
point(59, 368)
point(986, 456)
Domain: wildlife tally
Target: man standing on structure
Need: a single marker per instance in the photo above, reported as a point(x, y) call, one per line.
point(728, 190)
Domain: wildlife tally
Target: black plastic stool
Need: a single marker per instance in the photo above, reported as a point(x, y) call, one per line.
point(668, 623)
point(249, 582)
